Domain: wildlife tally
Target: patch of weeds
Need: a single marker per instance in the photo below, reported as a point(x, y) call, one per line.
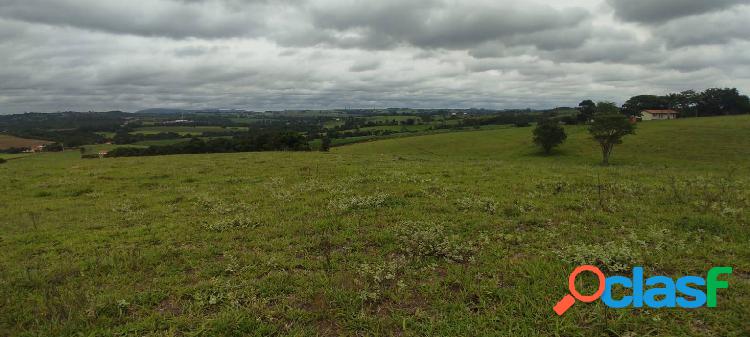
point(233, 264)
point(519, 208)
point(430, 240)
point(486, 205)
point(276, 187)
point(218, 207)
point(234, 223)
point(555, 187)
point(725, 196)
point(611, 256)
point(361, 202)
point(225, 293)
point(378, 277)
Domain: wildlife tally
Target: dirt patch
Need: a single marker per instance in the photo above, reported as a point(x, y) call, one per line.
point(8, 141)
point(169, 306)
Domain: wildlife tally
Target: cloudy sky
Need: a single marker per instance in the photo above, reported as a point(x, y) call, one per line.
point(288, 54)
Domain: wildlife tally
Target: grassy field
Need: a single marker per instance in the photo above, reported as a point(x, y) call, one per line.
point(454, 234)
point(8, 141)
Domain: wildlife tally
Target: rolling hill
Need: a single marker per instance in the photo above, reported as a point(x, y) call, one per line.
point(466, 233)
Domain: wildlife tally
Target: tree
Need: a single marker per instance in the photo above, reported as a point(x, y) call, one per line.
point(608, 130)
point(586, 110)
point(685, 102)
point(549, 134)
point(325, 144)
point(607, 108)
point(54, 147)
point(713, 102)
point(635, 105)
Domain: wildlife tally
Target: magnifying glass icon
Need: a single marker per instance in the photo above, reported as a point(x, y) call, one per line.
point(570, 299)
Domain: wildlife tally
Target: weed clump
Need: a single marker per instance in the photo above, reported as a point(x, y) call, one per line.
point(480, 204)
point(378, 200)
point(218, 207)
point(519, 208)
point(430, 240)
point(380, 276)
point(611, 256)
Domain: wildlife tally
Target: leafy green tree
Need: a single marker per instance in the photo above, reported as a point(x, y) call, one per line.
point(607, 108)
point(635, 105)
point(685, 102)
point(586, 109)
point(608, 130)
point(716, 101)
point(549, 134)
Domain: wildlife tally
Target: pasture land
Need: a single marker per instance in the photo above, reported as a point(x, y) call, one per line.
point(186, 130)
point(8, 141)
point(453, 234)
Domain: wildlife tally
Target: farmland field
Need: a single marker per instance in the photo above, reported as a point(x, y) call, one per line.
point(8, 141)
point(452, 234)
point(185, 130)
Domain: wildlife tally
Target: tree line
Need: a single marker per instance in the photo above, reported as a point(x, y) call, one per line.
point(266, 141)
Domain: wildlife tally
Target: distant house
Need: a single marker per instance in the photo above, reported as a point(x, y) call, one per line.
point(36, 148)
point(651, 115)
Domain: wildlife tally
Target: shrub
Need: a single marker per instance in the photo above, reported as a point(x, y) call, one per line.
point(549, 134)
point(3, 161)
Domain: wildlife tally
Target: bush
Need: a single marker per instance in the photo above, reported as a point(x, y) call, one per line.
point(549, 134)
point(2, 161)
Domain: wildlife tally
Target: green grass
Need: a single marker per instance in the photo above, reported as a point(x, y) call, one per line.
point(8, 156)
point(453, 234)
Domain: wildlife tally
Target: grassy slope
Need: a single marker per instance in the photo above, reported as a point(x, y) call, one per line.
point(311, 243)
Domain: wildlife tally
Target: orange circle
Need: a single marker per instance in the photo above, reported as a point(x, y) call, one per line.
point(572, 283)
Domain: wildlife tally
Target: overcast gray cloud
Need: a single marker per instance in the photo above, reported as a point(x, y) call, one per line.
point(288, 54)
point(659, 11)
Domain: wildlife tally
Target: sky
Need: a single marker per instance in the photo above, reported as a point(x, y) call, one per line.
point(93, 55)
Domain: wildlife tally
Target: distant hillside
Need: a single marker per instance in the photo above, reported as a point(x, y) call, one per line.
point(168, 111)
